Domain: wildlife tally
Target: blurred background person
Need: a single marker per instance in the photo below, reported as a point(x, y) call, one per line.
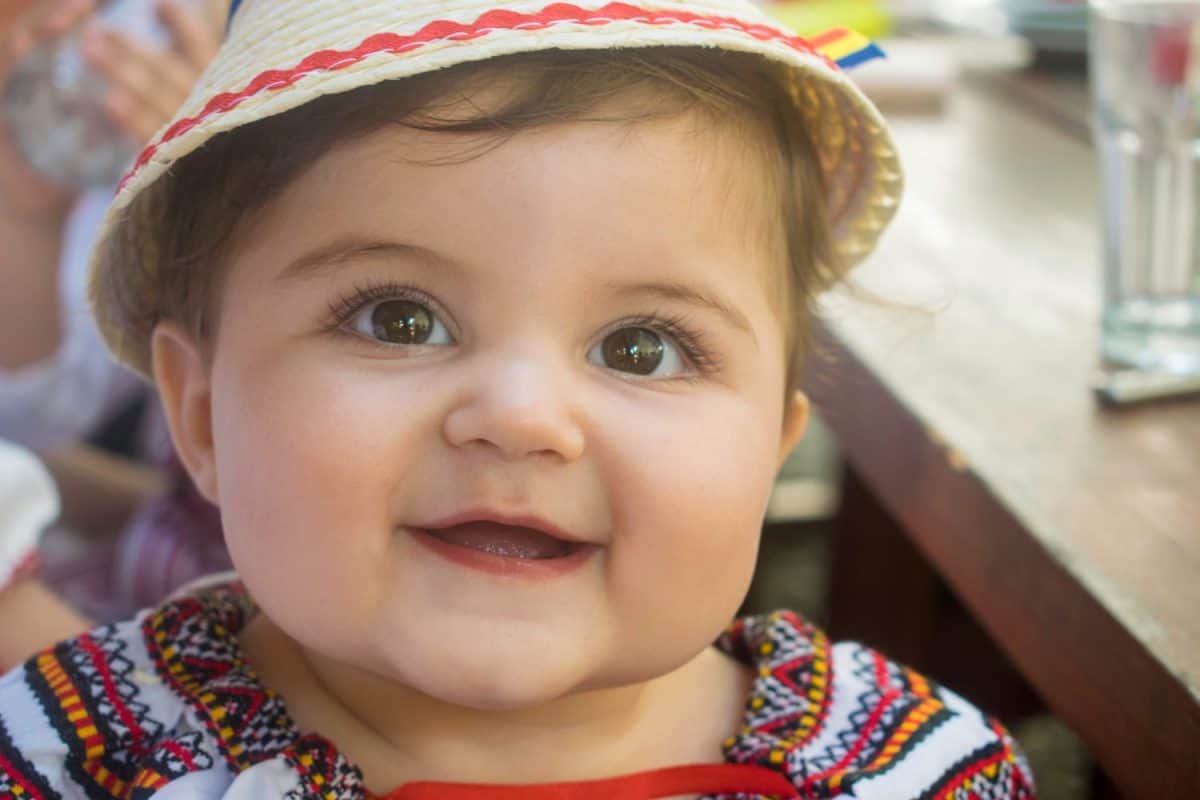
point(135, 527)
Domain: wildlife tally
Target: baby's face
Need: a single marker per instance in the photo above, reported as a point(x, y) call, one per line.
point(503, 429)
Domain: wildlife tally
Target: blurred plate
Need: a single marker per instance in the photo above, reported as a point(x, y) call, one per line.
point(1057, 26)
point(1049, 25)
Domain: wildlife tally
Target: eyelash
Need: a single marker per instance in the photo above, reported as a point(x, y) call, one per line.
point(690, 340)
point(343, 310)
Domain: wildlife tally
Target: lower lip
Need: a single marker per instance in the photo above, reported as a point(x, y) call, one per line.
point(524, 568)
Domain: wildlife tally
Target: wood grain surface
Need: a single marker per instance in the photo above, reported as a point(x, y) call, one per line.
point(959, 386)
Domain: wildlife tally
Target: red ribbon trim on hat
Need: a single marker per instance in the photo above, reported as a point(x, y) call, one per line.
point(446, 30)
point(704, 779)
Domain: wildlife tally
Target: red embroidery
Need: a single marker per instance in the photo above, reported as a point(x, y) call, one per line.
point(889, 695)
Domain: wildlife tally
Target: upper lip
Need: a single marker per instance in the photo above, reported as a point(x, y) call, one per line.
point(531, 521)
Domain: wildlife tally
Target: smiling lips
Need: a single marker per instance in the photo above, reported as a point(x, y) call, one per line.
point(508, 541)
point(504, 549)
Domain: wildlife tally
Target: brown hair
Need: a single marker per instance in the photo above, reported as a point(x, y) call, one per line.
point(213, 194)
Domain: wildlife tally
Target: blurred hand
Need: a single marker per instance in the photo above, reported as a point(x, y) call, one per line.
point(11, 11)
point(24, 192)
point(146, 85)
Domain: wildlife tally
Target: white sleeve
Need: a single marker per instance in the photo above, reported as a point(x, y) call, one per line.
point(28, 503)
point(65, 397)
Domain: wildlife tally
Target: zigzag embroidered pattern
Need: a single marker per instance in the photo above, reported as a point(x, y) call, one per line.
point(895, 710)
point(19, 778)
point(87, 695)
point(831, 719)
point(193, 649)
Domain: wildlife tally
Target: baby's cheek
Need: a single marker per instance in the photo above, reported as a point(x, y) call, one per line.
point(286, 459)
point(699, 521)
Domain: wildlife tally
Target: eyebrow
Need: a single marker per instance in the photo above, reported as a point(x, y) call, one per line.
point(326, 257)
point(682, 293)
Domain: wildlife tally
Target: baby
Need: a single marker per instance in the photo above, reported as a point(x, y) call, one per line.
point(480, 323)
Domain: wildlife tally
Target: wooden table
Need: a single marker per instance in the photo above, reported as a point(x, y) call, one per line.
point(961, 401)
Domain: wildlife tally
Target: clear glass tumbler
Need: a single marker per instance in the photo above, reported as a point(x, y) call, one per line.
point(1145, 78)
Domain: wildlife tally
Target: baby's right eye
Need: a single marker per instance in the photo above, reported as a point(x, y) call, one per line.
point(401, 322)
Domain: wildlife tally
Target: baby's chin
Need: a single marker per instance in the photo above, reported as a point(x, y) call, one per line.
point(498, 693)
point(530, 693)
point(527, 678)
point(494, 679)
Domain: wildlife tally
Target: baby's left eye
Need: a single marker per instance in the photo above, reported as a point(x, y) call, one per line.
point(401, 322)
point(638, 351)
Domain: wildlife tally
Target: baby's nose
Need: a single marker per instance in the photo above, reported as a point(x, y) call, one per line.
point(521, 407)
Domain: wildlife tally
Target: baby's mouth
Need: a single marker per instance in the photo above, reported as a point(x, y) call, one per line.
point(507, 541)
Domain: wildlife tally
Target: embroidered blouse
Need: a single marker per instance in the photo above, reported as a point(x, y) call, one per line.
point(165, 705)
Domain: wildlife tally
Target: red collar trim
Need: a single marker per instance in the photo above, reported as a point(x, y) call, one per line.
point(703, 779)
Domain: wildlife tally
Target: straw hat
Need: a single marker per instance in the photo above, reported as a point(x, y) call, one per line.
point(280, 54)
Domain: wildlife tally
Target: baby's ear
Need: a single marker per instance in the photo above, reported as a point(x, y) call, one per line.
point(182, 377)
point(795, 422)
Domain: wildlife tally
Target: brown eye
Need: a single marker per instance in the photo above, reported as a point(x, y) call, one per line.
point(401, 322)
point(635, 350)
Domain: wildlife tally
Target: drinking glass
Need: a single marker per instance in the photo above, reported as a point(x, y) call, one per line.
point(1145, 81)
point(53, 102)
